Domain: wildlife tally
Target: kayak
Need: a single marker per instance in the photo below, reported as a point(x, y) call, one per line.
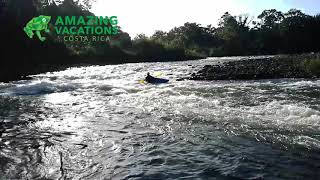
point(158, 81)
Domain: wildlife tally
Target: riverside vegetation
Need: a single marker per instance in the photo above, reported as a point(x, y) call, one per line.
point(273, 32)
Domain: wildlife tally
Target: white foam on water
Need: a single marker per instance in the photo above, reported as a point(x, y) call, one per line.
point(254, 104)
point(38, 88)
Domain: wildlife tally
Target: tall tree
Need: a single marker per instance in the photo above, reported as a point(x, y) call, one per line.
point(228, 31)
point(270, 18)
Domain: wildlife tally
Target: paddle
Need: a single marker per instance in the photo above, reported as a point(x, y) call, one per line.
point(158, 74)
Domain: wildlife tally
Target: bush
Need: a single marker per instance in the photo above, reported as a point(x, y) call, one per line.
point(313, 66)
point(194, 53)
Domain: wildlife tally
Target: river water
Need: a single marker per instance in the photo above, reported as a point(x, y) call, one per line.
point(99, 122)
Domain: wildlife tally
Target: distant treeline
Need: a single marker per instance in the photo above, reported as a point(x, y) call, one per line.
point(273, 32)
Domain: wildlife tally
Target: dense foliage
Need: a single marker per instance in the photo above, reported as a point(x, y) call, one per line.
point(273, 32)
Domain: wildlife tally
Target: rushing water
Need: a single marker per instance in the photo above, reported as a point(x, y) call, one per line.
point(99, 122)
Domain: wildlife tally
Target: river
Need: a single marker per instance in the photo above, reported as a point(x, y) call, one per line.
point(99, 122)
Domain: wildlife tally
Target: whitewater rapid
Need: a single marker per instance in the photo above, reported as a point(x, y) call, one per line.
point(100, 122)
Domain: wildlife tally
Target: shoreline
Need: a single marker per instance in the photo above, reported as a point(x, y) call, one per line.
point(276, 67)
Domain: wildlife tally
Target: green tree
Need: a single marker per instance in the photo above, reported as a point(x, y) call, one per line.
point(228, 31)
point(270, 18)
point(268, 36)
point(293, 30)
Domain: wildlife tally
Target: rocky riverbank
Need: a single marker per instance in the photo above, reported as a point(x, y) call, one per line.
point(274, 67)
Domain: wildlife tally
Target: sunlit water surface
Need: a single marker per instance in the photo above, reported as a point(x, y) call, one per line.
point(99, 122)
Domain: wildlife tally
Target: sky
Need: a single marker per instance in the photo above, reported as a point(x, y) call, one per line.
point(147, 16)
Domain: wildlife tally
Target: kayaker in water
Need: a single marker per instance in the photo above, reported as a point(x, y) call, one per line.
point(149, 78)
point(154, 80)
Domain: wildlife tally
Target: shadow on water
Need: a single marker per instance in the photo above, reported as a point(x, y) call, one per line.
point(23, 147)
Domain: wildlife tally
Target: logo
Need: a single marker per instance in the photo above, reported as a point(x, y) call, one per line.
point(36, 26)
point(74, 28)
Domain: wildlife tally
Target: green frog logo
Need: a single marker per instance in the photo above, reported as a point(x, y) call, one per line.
point(36, 25)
